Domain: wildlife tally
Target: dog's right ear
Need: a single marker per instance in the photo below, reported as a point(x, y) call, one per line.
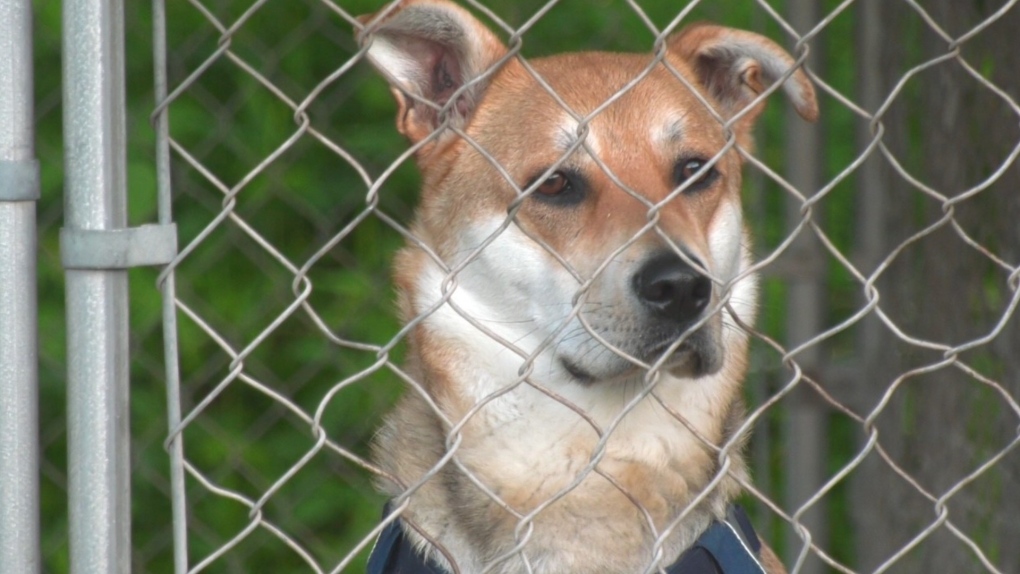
point(429, 50)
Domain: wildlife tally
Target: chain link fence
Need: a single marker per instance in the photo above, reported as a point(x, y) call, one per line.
point(885, 370)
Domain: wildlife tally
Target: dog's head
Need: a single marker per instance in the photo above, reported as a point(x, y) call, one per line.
point(584, 207)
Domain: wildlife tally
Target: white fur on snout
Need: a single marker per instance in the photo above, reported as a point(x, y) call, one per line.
point(725, 233)
point(727, 243)
point(512, 288)
point(524, 296)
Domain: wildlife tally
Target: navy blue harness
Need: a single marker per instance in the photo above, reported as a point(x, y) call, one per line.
point(727, 547)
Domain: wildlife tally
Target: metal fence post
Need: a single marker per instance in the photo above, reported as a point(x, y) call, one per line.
point(19, 190)
point(175, 444)
point(97, 298)
point(804, 467)
point(872, 244)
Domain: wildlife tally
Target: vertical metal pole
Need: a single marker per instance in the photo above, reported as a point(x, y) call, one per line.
point(19, 188)
point(804, 467)
point(167, 287)
point(871, 245)
point(97, 300)
point(871, 181)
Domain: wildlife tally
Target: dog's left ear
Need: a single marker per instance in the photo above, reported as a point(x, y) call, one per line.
point(429, 50)
point(735, 67)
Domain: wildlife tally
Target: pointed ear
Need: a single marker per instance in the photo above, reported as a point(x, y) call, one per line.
point(735, 67)
point(428, 50)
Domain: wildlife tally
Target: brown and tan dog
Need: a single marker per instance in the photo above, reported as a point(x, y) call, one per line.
point(573, 302)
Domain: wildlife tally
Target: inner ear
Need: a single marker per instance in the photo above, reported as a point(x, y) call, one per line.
point(736, 67)
point(721, 77)
point(430, 51)
point(434, 71)
point(446, 78)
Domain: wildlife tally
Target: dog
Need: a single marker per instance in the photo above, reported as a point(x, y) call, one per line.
point(575, 292)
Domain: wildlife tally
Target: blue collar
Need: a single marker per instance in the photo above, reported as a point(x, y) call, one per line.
point(727, 547)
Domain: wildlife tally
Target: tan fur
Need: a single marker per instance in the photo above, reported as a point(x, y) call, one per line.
point(574, 497)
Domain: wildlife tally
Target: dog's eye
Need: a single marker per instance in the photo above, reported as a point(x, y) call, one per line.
point(556, 184)
point(689, 168)
point(565, 187)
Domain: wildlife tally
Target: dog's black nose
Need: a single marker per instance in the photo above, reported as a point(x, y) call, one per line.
point(671, 289)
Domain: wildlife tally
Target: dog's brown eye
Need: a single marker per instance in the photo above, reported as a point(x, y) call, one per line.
point(563, 188)
point(554, 185)
point(689, 168)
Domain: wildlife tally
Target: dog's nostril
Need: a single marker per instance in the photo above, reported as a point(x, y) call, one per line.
point(670, 288)
point(702, 291)
point(660, 291)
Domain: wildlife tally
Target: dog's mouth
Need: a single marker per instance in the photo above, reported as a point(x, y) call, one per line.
point(696, 356)
point(580, 375)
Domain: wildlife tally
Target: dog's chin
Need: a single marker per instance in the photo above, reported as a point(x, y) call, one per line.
point(689, 361)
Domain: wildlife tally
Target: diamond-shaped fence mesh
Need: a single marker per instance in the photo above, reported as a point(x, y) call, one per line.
point(884, 366)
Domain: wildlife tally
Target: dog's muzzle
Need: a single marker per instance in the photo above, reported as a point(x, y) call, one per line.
point(675, 295)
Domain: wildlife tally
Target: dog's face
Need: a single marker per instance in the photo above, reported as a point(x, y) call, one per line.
point(598, 228)
point(606, 218)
